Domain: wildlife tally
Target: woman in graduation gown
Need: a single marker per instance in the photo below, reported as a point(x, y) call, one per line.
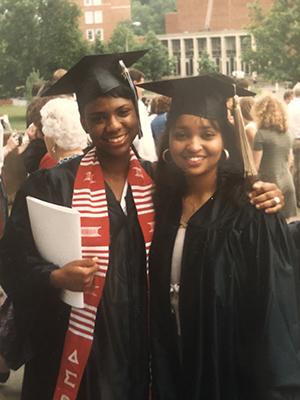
point(94, 352)
point(101, 351)
point(224, 306)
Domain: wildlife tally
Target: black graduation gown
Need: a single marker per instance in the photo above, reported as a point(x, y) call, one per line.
point(238, 307)
point(118, 364)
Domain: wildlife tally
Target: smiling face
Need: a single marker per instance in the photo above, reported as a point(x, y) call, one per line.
point(112, 124)
point(195, 145)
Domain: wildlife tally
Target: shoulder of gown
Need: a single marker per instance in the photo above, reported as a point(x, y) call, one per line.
point(22, 270)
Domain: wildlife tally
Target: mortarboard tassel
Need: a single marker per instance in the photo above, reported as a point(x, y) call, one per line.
point(242, 140)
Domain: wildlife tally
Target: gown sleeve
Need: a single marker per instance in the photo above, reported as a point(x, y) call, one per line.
point(273, 276)
point(24, 274)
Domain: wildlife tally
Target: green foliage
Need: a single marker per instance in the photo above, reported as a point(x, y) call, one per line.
point(206, 64)
point(156, 63)
point(123, 38)
point(151, 14)
point(33, 78)
point(37, 34)
point(98, 47)
point(277, 37)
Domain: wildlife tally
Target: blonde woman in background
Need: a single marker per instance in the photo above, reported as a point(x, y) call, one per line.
point(273, 149)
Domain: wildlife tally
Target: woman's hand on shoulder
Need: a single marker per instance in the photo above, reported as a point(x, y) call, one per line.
point(77, 275)
point(266, 196)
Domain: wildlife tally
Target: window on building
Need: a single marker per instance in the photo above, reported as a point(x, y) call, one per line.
point(99, 34)
point(202, 45)
point(98, 17)
point(97, 2)
point(176, 46)
point(216, 47)
point(189, 48)
point(90, 34)
point(189, 54)
point(177, 54)
point(230, 46)
point(88, 2)
point(89, 17)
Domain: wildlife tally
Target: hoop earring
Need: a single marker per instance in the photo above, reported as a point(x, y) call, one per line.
point(227, 155)
point(164, 156)
point(53, 149)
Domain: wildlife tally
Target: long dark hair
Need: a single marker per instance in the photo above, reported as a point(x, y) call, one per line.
point(171, 182)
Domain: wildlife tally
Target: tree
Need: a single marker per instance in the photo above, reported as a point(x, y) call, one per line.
point(98, 47)
point(37, 35)
point(156, 63)
point(150, 13)
point(206, 64)
point(277, 37)
point(123, 38)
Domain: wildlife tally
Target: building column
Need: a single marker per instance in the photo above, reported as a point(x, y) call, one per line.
point(196, 56)
point(182, 58)
point(170, 48)
point(238, 53)
point(223, 56)
point(208, 46)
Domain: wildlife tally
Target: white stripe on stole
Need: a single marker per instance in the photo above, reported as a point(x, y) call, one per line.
point(142, 206)
point(102, 249)
point(142, 187)
point(81, 319)
point(90, 307)
point(146, 211)
point(81, 326)
point(78, 333)
point(88, 197)
point(102, 274)
point(147, 200)
point(87, 215)
point(146, 193)
point(89, 192)
point(83, 312)
point(86, 202)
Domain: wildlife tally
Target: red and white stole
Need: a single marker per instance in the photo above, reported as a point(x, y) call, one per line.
point(89, 198)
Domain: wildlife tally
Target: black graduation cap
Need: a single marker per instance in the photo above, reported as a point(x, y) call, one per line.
point(203, 95)
point(96, 75)
point(103, 69)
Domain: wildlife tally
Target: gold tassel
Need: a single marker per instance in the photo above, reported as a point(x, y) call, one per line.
point(242, 139)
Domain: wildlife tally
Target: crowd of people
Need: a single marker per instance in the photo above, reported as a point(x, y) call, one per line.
point(189, 270)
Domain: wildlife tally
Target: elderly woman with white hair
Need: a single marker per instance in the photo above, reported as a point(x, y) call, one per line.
point(64, 135)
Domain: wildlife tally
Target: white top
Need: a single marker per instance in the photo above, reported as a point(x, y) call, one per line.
point(146, 145)
point(176, 273)
point(123, 198)
point(294, 117)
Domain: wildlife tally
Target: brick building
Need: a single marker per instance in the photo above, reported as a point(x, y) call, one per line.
point(217, 27)
point(100, 17)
